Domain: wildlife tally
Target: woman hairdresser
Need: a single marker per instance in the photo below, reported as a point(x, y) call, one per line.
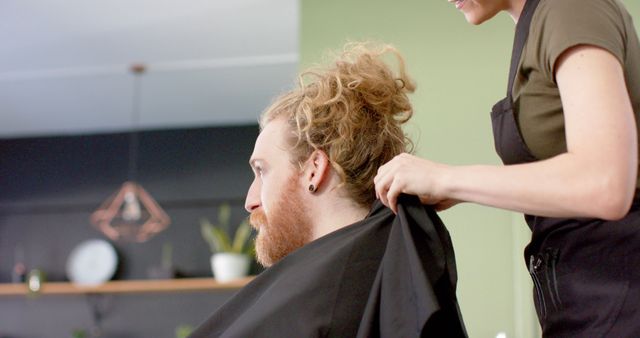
point(567, 133)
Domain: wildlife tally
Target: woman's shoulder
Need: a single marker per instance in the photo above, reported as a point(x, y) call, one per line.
point(560, 24)
point(569, 10)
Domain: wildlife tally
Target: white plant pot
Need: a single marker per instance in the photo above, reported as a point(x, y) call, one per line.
point(229, 266)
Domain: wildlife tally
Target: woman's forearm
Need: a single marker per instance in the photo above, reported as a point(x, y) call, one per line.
point(563, 186)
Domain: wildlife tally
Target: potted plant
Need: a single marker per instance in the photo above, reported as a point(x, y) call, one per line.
point(230, 257)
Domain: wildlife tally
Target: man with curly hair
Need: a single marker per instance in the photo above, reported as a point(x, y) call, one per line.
point(339, 263)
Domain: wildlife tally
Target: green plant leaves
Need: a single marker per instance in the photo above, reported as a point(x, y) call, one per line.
point(242, 235)
point(207, 234)
point(224, 214)
point(217, 235)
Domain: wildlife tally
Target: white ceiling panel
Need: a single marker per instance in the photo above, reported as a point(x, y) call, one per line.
point(64, 65)
point(229, 95)
point(52, 106)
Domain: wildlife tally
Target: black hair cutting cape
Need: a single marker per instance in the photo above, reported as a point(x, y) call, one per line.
point(385, 276)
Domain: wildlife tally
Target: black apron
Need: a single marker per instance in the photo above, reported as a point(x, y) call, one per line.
point(586, 272)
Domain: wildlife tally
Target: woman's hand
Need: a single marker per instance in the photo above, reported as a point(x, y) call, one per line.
point(408, 174)
point(444, 204)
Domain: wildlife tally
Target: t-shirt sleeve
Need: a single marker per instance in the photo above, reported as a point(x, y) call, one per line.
point(567, 23)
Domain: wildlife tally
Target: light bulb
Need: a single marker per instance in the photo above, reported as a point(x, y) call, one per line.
point(131, 207)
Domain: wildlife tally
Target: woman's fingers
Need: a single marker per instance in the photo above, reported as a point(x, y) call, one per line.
point(395, 189)
point(383, 190)
point(381, 183)
point(388, 183)
point(411, 175)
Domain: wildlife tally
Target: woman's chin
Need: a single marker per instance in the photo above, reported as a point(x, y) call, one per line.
point(475, 19)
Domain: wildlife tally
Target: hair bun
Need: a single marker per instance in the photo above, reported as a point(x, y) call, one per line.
point(352, 110)
point(361, 76)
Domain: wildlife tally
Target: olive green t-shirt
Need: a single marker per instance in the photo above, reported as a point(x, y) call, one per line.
point(556, 26)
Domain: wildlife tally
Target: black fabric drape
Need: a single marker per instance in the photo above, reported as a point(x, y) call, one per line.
point(385, 276)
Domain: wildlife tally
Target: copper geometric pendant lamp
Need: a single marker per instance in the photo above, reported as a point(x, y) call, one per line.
point(131, 214)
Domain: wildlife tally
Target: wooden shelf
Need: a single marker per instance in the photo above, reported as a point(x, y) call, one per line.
point(128, 286)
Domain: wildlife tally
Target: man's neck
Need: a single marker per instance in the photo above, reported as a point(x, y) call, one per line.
point(335, 215)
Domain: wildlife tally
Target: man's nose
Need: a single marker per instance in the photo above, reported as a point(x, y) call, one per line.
point(252, 201)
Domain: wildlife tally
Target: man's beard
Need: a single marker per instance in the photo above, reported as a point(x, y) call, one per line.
point(285, 229)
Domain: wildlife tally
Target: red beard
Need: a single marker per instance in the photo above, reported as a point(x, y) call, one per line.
point(285, 229)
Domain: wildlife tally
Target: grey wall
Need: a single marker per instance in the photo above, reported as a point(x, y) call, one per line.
point(125, 316)
point(49, 187)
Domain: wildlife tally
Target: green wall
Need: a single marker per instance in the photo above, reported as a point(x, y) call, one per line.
point(461, 71)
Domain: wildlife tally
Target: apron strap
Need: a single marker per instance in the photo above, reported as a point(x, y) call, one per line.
point(522, 32)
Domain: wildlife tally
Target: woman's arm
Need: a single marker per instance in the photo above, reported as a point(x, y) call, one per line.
point(595, 178)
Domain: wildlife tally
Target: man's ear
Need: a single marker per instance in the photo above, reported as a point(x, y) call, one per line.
point(316, 171)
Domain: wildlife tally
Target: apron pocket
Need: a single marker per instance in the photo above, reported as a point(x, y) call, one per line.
point(589, 300)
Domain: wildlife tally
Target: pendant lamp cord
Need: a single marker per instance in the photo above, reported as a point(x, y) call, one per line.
point(135, 120)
